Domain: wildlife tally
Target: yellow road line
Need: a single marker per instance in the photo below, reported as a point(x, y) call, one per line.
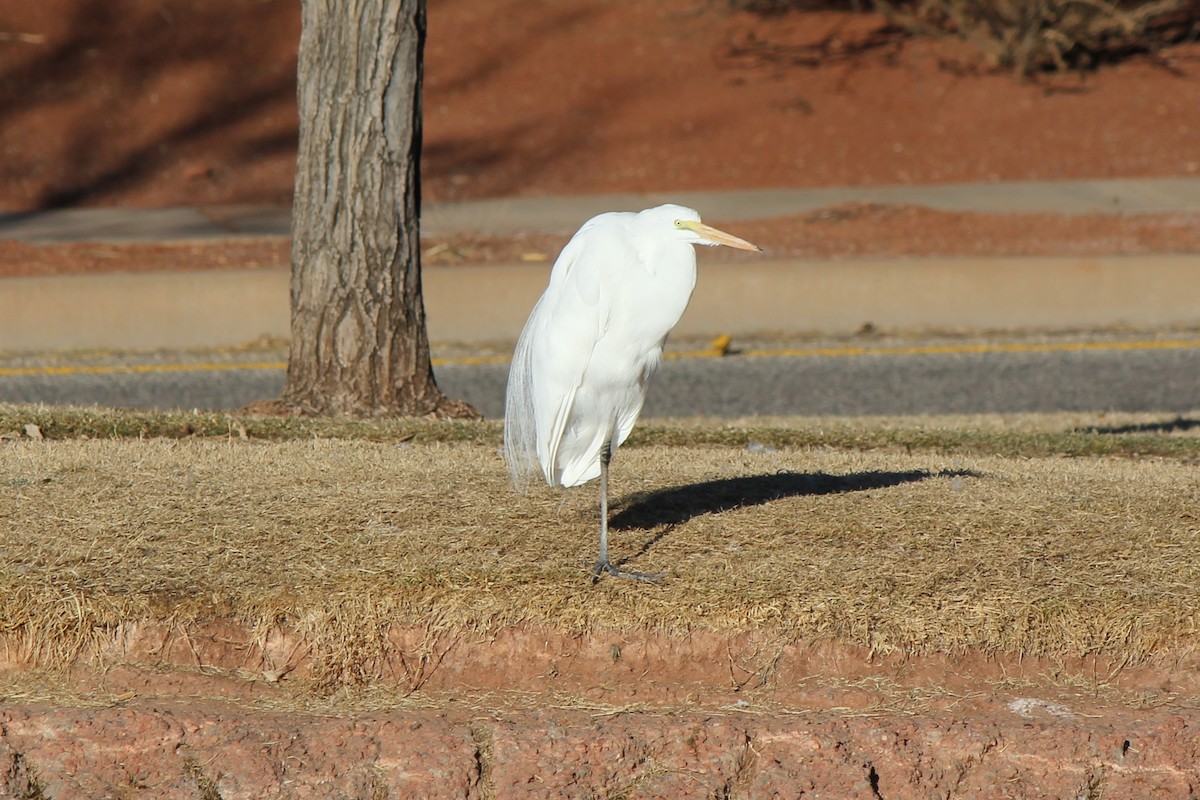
point(948, 349)
point(848, 351)
point(472, 360)
point(782, 352)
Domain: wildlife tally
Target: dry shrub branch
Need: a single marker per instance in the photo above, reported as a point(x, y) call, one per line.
point(1026, 36)
point(1029, 36)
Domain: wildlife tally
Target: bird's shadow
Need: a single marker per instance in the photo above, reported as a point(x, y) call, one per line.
point(1170, 426)
point(679, 504)
point(667, 508)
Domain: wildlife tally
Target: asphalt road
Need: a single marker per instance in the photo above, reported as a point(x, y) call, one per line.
point(1117, 374)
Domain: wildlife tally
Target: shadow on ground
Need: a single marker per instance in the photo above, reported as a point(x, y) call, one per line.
point(679, 504)
point(1169, 426)
point(667, 508)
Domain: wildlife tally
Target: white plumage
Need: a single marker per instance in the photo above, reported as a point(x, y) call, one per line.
point(594, 339)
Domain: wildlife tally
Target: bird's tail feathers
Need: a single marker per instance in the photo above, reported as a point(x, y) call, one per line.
point(520, 427)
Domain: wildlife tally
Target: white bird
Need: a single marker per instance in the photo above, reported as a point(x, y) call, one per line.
point(594, 339)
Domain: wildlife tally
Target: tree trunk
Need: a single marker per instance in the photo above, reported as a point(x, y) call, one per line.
point(359, 342)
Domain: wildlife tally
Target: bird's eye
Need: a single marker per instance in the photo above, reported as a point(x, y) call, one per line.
point(678, 223)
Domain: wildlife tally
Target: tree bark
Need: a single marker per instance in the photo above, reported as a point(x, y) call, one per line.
point(359, 341)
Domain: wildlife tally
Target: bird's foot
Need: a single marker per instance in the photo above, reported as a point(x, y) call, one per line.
point(606, 566)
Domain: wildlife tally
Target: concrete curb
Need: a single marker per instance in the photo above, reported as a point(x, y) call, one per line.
point(490, 303)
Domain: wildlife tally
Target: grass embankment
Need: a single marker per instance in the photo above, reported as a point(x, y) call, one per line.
point(1036, 536)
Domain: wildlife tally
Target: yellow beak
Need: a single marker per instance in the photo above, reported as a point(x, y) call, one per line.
point(711, 234)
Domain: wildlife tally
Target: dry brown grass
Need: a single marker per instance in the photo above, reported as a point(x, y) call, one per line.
point(933, 550)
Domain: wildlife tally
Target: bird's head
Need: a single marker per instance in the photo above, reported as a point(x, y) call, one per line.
point(687, 226)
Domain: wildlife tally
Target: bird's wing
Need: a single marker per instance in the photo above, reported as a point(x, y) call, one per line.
point(575, 321)
point(533, 423)
point(553, 354)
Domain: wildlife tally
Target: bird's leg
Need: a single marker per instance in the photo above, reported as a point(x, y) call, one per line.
point(605, 458)
point(604, 565)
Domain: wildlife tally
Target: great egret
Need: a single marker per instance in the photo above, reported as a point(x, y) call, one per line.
point(582, 363)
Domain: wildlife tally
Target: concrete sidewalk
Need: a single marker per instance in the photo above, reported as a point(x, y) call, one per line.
point(565, 214)
point(489, 303)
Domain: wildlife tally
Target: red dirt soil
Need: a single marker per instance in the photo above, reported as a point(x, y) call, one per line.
point(140, 104)
point(533, 713)
point(137, 102)
point(145, 103)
